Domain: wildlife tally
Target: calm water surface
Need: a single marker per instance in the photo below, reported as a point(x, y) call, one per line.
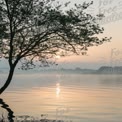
point(76, 97)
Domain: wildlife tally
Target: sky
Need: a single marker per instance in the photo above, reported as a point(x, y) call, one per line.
point(108, 54)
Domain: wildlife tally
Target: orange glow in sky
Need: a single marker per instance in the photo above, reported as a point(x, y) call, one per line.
point(112, 28)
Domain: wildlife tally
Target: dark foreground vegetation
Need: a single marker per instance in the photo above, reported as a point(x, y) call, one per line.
point(30, 120)
point(26, 118)
point(8, 116)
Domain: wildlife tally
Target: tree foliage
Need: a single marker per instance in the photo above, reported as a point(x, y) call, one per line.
point(37, 30)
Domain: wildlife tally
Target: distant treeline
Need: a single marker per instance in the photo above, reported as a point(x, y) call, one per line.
point(110, 70)
point(78, 70)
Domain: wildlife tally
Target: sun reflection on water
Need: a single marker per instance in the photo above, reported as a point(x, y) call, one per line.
point(58, 90)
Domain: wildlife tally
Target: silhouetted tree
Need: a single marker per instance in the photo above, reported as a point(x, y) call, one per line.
point(10, 112)
point(37, 30)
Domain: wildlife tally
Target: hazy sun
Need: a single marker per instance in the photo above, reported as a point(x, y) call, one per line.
point(58, 57)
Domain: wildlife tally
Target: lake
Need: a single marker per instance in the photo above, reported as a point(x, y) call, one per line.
point(65, 96)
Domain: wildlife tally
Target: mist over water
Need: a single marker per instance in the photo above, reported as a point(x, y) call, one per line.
point(68, 97)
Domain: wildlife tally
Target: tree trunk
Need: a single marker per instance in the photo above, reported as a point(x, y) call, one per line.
point(10, 75)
